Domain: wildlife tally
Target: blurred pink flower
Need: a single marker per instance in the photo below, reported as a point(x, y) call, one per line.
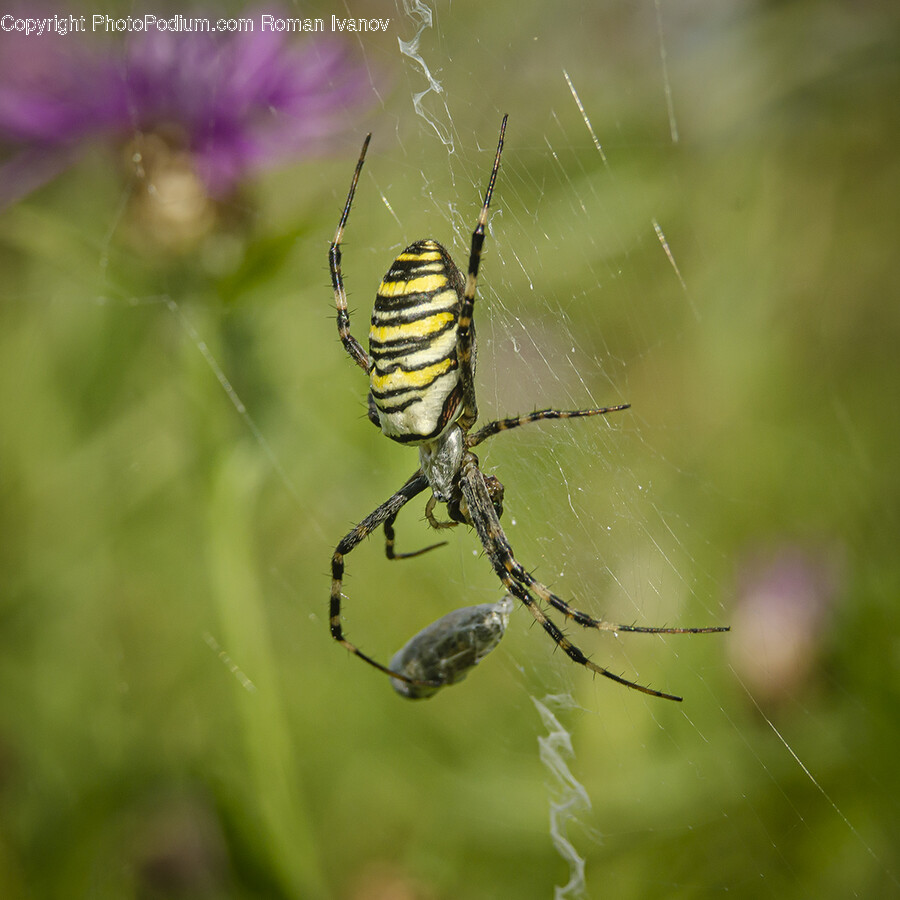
point(784, 598)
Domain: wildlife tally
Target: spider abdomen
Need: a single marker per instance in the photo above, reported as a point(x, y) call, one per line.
point(414, 375)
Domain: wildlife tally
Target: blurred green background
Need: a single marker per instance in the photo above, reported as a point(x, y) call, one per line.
point(184, 441)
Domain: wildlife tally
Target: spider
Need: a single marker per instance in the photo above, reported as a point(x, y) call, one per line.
point(421, 365)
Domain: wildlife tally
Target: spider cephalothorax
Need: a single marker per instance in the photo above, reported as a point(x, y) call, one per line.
point(421, 366)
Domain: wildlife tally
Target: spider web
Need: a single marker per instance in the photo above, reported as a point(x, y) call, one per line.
point(544, 352)
point(543, 349)
point(596, 509)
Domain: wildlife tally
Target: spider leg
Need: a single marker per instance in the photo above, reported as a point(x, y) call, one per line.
point(351, 344)
point(543, 592)
point(433, 521)
point(464, 330)
point(496, 546)
point(492, 428)
point(387, 511)
point(583, 619)
point(389, 551)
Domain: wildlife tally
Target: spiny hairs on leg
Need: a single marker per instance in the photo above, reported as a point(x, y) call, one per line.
point(387, 512)
point(351, 344)
point(499, 551)
point(522, 575)
point(492, 428)
point(389, 538)
point(465, 334)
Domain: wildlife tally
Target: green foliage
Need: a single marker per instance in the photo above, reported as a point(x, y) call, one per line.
point(184, 441)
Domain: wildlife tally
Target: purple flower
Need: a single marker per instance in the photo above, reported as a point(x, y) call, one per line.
point(784, 600)
point(235, 102)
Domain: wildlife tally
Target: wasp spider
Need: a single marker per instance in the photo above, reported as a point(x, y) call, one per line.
point(420, 364)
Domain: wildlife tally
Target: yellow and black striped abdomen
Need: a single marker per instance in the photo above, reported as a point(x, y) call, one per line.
point(414, 376)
